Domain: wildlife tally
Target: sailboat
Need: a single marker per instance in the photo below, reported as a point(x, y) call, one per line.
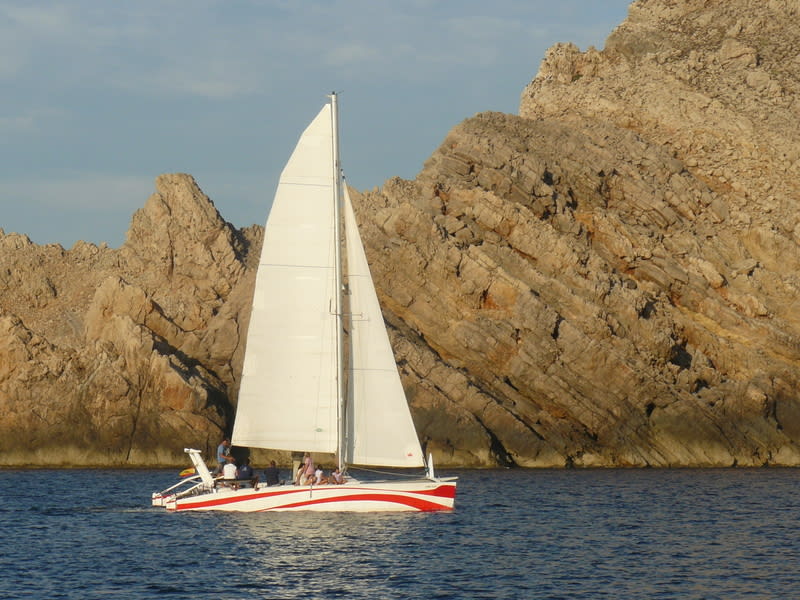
point(319, 373)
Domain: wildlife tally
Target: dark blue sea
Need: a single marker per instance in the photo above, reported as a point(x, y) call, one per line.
point(514, 534)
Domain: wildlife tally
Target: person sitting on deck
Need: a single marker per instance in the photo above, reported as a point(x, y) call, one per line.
point(229, 474)
point(337, 477)
point(319, 476)
point(306, 470)
point(271, 474)
point(245, 473)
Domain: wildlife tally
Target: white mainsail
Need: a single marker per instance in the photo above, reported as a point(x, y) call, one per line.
point(288, 395)
point(379, 426)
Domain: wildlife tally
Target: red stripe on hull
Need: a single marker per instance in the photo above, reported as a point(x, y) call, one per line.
point(443, 491)
point(415, 503)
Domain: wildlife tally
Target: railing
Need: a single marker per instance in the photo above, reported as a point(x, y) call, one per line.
point(174, 490)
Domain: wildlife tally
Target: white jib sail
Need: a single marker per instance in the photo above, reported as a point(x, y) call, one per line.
point(380, 429)
point(287, 398)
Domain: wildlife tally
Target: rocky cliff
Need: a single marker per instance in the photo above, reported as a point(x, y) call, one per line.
point(124, 357)
point(611, 277)
point(608, 278)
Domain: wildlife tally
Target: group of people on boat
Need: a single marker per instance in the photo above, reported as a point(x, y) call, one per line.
point(228, 473)
point(308, 474)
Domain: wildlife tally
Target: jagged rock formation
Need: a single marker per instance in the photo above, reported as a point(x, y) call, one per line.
point(608, 278)
point(124, 356)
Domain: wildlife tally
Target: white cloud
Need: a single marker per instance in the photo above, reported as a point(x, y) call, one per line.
point(48, 19)
point(28, 120)
point(351, 53)
point(84, 192)
point(16, 123)
point(157, 47)
point(214, 78)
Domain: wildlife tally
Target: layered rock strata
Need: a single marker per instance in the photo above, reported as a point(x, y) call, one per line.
point(611, 277)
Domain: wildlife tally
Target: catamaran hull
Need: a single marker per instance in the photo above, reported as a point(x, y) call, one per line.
point(413, 496)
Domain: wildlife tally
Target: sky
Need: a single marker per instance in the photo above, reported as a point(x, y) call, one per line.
point(98, 98)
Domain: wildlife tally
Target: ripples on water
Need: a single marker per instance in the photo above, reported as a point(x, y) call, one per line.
point(514, 534)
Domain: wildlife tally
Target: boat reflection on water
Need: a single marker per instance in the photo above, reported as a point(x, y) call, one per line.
point(322, 554)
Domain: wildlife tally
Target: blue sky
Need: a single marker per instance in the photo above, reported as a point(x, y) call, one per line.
point(100, 97)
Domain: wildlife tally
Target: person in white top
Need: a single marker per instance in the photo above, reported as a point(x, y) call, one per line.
point(229, 473)
point(319, 477)
point(336, 478)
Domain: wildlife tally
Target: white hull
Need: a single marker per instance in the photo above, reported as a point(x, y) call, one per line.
point(381, 496)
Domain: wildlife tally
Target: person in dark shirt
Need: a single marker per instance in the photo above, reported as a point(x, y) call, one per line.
point(271, 474)
point(245, 472)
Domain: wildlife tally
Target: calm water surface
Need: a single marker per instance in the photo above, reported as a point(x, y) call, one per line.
point(514, 534)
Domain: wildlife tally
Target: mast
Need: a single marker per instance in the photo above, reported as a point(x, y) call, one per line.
point(337, 211)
